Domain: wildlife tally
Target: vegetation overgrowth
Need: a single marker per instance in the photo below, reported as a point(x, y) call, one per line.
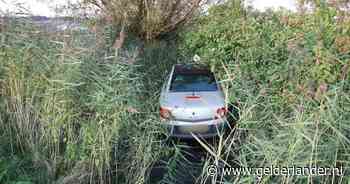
point(290, 71)
point(71, 111)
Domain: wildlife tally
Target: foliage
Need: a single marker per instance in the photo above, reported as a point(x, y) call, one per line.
point(148, 19)
point(72, 110)
point(290, 73)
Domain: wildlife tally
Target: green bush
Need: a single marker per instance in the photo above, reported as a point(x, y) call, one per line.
point(290, 73)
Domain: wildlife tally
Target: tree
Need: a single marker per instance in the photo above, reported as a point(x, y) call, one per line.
point(148, 18)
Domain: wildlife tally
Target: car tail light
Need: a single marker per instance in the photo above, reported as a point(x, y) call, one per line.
point(165, 113)
point(221, 112)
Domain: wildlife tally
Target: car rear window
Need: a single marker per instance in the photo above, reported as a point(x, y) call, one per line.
point(193, 82)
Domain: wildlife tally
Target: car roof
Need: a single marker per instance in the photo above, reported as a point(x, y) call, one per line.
point(191, 69)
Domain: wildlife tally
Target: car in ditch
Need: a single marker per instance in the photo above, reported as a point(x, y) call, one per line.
point(192, 102)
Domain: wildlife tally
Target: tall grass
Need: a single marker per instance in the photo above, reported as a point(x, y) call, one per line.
point(74, 110)
point(285, 70)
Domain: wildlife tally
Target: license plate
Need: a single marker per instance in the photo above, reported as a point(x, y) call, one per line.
point(194, 129)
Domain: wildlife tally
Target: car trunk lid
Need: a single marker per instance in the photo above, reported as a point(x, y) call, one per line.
point(198, 106)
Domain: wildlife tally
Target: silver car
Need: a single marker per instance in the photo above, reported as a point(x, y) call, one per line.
point(192, 101)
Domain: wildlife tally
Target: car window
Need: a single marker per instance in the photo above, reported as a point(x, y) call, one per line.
point(193, 82)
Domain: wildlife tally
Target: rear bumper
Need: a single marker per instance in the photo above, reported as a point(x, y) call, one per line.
point(202, 129)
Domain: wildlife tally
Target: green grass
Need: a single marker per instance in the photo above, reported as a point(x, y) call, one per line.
point(66, 106)
point(72, 112)
point(278, 70)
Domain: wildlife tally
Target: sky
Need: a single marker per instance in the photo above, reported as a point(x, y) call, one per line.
point(35, 7)
point(46, 7)
point(263, 4)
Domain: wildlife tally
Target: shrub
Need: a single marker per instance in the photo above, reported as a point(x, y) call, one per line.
point(287, 69)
